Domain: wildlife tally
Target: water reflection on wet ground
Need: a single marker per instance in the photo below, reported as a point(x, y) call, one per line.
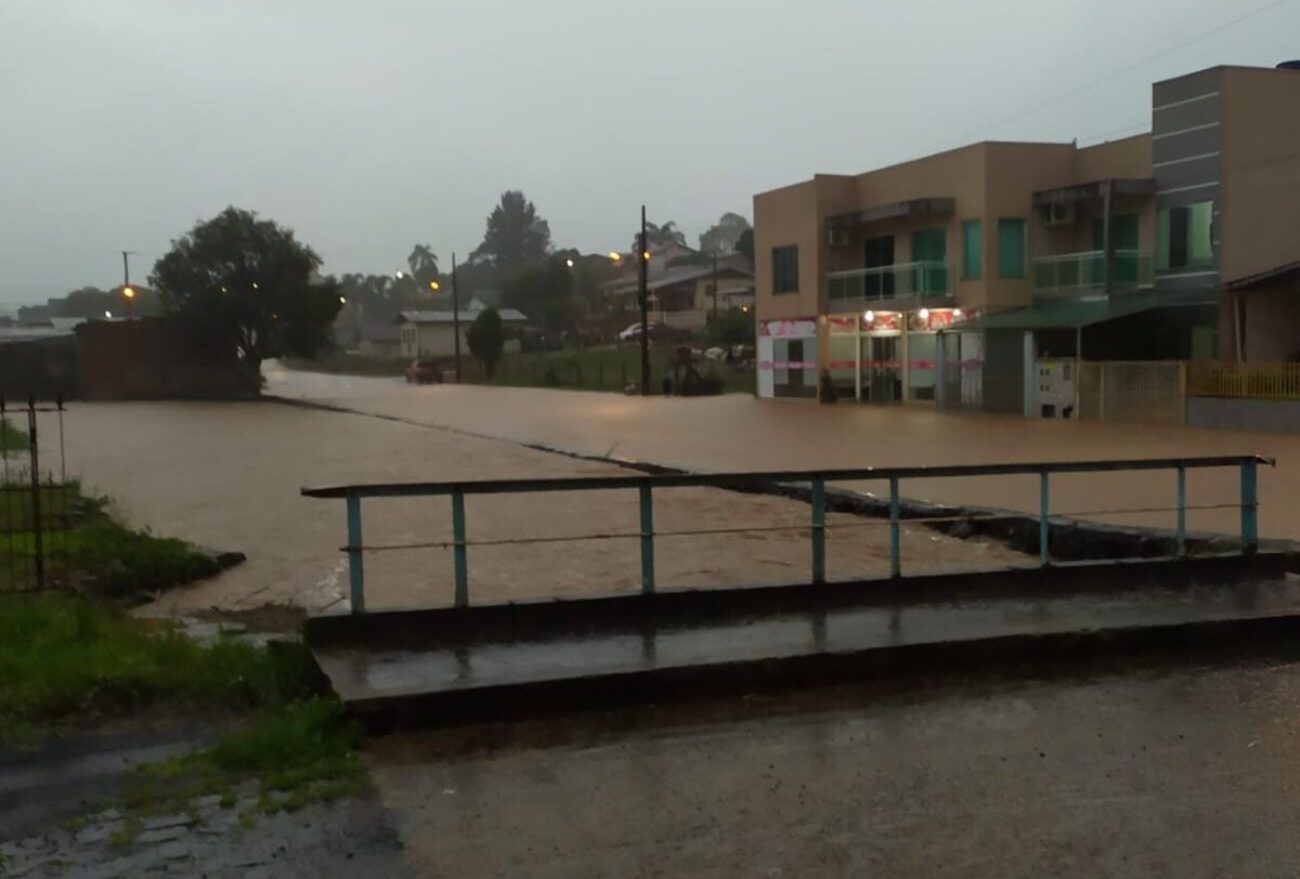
point(1162, 771)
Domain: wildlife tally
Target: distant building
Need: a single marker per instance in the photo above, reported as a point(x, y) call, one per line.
point(680, 281)
point(431, 333)
point(977, 274)
point(378, 337)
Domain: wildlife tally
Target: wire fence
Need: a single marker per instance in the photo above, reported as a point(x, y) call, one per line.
point(37, 501)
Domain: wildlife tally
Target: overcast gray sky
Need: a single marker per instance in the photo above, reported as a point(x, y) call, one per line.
point(369, 125)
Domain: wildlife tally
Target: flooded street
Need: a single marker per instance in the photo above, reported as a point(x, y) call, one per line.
point(737, 432)
point(229, 475)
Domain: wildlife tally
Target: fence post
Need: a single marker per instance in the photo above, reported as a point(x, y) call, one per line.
point(38, 547)
point(458, 546)
point(818, 530)
point(356, 569)
point(1182, 511)
point(1044, 529)
point(647, 539)
point(1249, 507)
point(895, 547)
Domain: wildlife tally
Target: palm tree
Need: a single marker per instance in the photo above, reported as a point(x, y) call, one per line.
point(423, 263)
point(661, 236)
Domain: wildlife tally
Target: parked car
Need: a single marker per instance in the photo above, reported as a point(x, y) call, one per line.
point(422, 372)
point(634, 332)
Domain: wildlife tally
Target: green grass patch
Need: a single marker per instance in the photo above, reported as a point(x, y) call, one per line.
point(11, 438)
point(299, 754)
point(85, 547)
point(604, 368)
point(68, 661)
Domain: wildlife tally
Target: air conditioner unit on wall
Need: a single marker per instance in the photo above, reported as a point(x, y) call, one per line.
point(1060, 213)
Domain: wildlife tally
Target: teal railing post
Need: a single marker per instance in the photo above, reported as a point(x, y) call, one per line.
point(356, 569)
point(1249, 507)
point(895, 531)
point(818, 530)
point(1044, 530)
point(647, 539)
point(1182, 511)
point(459, 549)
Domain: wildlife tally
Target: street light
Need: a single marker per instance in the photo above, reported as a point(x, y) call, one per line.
point(615, 256)
point(108, 315)
point(569, 263)
point(435, 286)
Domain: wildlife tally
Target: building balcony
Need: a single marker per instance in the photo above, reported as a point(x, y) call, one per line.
point(910, 282)
point(1072, 274)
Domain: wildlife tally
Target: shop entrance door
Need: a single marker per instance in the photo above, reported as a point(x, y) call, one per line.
point(882, 375)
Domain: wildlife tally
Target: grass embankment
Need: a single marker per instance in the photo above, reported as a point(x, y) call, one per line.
point(71, 657)
point(84, 546)
point(71, 662)
point(607, 368)
point(598, 368)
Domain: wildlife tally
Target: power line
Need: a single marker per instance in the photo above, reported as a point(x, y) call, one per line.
point(1132, 66)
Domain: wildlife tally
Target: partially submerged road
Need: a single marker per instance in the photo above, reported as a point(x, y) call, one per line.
point(738, 432)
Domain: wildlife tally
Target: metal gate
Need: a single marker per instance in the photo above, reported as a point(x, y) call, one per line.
point(37, 502)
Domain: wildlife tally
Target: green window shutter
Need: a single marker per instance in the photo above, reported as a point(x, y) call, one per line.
point(785, 269)
point(1200, 244)
point(1162, 239)
point(1011, 248)
point(972, 250)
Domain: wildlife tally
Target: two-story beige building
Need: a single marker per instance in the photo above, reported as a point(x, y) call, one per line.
point(956, 276)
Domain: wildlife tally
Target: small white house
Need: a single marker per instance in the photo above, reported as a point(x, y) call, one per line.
point(431, 333)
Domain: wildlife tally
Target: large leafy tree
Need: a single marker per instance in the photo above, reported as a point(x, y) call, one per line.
point(487, 339)
point(745, 243)
point(543, 292)
point(515, 235)
point(721, 238)
point(249, 283)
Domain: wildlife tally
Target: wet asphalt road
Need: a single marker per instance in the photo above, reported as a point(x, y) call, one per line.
point(1191, 772)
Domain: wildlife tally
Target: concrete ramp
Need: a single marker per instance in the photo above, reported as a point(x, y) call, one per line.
point(423, 667)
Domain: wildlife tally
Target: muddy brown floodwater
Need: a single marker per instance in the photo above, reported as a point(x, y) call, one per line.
point(229, 475)
point(738, 432)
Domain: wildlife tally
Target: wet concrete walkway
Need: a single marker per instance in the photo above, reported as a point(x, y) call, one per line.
point(377, 672)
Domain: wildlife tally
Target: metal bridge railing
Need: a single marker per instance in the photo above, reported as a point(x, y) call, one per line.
point(645, 486)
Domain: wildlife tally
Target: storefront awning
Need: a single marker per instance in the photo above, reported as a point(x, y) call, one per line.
point(1063, 315)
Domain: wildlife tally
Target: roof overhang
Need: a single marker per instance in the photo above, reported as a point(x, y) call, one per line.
point(897, 210)
point(1259, 279)
point(1094, 191)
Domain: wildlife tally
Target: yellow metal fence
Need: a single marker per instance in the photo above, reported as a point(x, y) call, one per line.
point(1254, 381)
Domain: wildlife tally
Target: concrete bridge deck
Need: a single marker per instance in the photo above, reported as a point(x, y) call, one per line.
point(489, 662)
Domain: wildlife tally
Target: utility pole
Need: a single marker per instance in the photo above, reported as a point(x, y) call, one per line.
point(128, 292)
point(644, 296)
point(455, 314)
point(715, 288)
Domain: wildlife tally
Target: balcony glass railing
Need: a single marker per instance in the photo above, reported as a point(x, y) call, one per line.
point(1086, 271)
point(907, 280)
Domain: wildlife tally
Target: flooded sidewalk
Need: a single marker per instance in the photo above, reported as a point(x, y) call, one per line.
point(738, 432)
